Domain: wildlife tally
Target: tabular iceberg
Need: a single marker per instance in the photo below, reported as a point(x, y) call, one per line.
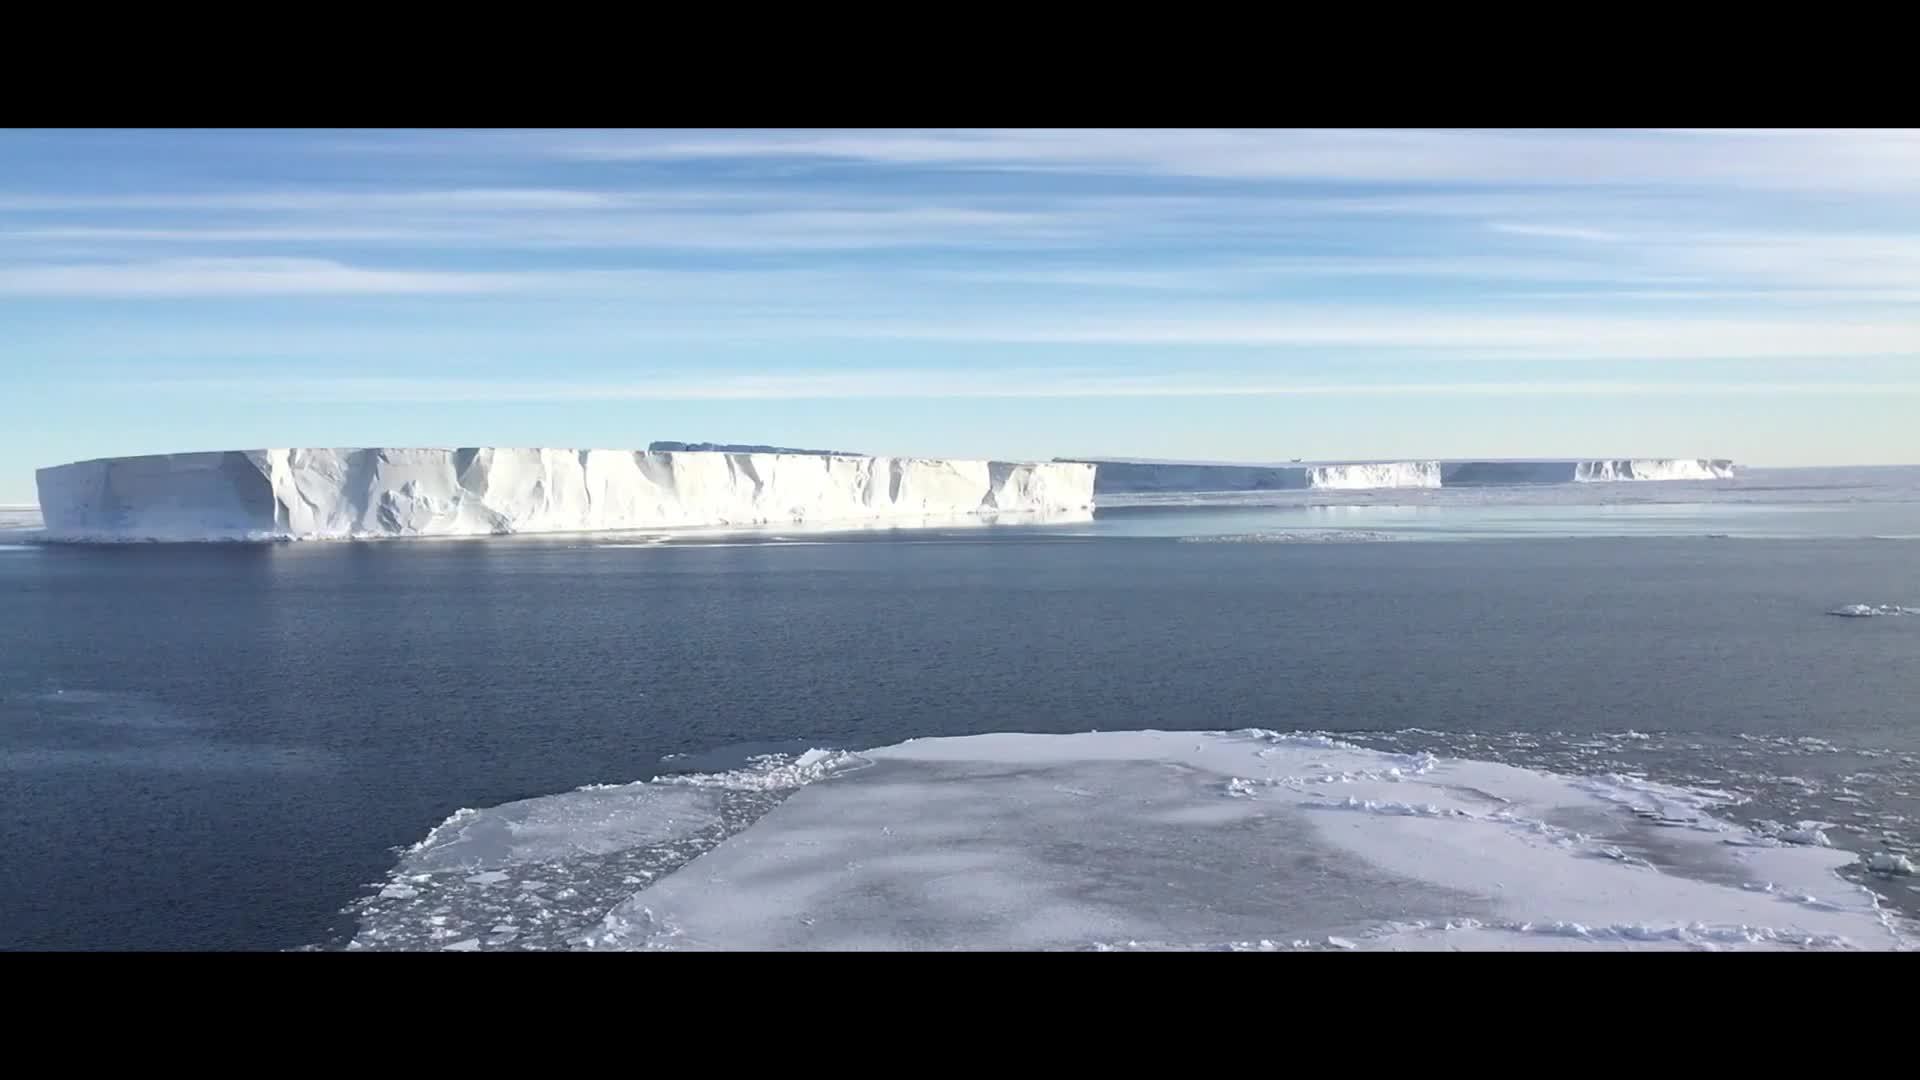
point(278, 494)
point(1571, 471)
point(1143, 476)
point(1122, 476)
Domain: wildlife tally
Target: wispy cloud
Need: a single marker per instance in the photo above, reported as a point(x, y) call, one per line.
point(1751, 295)
point(1178, 242)
point(1504, 335)
point(1137, 317)
point(1350, 268)
point(1554, 232)
point(1803, 159)
point(311, 199)
point(743, 229)
point(1809, 267)
point(1004, 384)
point(237, 277)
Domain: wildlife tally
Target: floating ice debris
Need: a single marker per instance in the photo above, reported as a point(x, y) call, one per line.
point(1868, 611)
point(1883, 862)
point(1810, 833)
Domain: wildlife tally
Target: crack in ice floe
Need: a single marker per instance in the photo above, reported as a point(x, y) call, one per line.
point(1580, 842)
point(1382, 806)
point(1659, 804)
point(645, 932)
point(1807, 900)
point(1773, 833)
point(1392, 774)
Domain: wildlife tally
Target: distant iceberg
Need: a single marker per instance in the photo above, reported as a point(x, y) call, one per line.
point(1120, 476)
point(1588, 471)
point(1869, 611)
point(299, 494)
point(1148, 476)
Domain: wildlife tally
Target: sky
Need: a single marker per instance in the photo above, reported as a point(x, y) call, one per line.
point(1221, 295)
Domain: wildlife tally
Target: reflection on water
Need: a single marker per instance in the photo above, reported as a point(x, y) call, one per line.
point(1470, 521)
point(804, 532)
point(1879, 502)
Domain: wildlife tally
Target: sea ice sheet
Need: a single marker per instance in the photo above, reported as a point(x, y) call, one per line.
point(1229, 840)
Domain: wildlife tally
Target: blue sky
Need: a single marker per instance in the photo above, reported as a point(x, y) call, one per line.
point(1208, 294)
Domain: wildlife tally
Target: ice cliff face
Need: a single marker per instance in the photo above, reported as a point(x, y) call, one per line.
point(1379, 474)
point(1136, 476)
point(1652, 469)
point(367, 493)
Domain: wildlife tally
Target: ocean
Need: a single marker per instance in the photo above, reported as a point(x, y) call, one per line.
point(231, 746)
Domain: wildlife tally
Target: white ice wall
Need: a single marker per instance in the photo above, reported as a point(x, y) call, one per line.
point(1652, 469)
point(365, 493)
point(1379, 474)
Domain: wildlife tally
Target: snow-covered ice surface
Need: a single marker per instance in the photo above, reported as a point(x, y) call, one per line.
point(282, 494)
point(1226, 840)
point(743, 448)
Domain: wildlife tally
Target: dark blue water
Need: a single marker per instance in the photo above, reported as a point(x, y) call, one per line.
point(218, 747)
